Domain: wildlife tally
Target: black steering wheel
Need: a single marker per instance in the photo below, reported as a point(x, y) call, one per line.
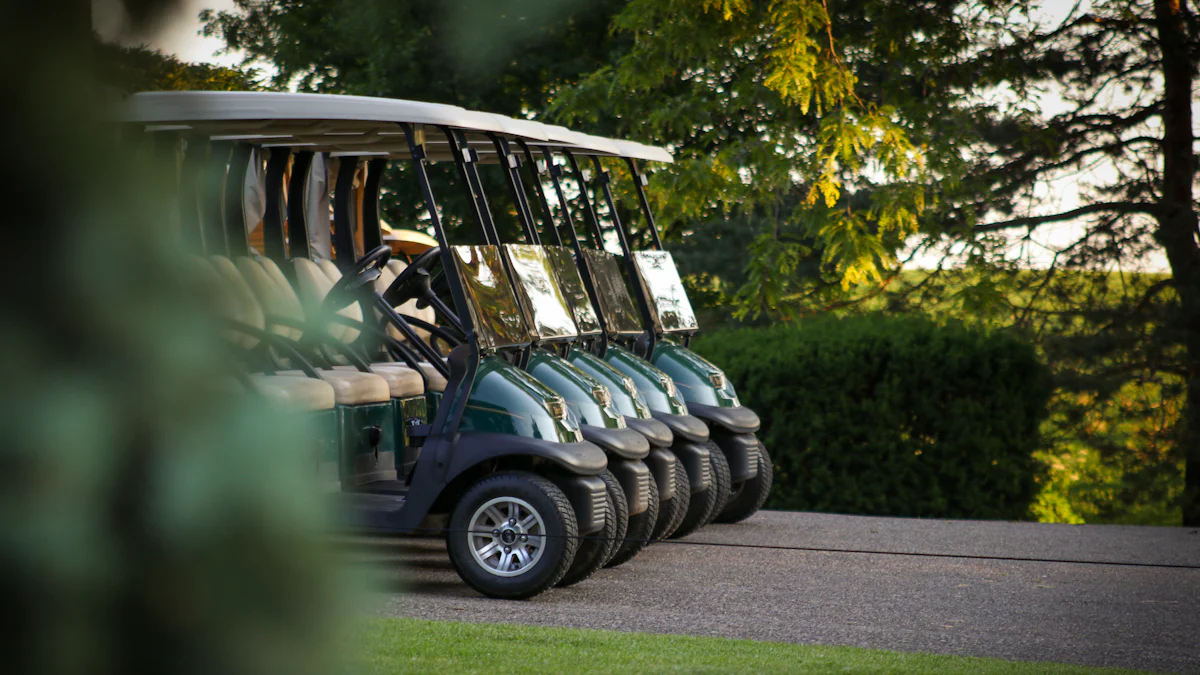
point(365, 271)
point(416, 273)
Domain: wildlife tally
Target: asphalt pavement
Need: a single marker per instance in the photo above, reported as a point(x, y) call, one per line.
point(1134, 616)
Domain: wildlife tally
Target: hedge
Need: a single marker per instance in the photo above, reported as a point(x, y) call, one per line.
point(892, 415)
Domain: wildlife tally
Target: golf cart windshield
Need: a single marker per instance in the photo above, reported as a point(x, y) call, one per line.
point(619, 311)
point(668, 300)
point(573, 289)
point(494, 309)
point(549, 315)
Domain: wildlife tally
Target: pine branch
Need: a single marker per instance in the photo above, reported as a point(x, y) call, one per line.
point(1103, 207)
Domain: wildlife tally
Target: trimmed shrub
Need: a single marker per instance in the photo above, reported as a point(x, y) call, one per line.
point(892, 415)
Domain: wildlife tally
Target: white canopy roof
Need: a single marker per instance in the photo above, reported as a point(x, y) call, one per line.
point(350, 125)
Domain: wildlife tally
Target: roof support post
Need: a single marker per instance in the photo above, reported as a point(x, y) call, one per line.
point(512, 175)
point(236, 237)
point(585, 273)
point(589, 210)
point(605, 183)
point(639, 181)
point(274, 242)
point(371, 228)
point(631, 269)
point(449, 416)
point(191, 171)
point(297, 225)
point(212, 187)
point(548, 225)
point(344, 217)
point(465, 158)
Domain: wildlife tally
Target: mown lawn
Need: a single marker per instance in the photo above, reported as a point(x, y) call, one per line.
point(412, 646)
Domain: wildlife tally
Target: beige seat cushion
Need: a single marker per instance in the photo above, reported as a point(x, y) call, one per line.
point(274, 293)
point(437, 383)
point(314, 283)
point(402, 382)
point(386, 276)
point(296, 393)
point(244, 304)
point(351, 387)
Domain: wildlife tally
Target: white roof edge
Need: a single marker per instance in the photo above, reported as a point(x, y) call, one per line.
point(649, 153)
point(518, 128)
point(228, 106)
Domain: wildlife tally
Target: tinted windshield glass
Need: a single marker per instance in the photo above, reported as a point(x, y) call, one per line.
point(494, 310)
point(573, 289)
point(668, 300)
point(549, 315)
point(620, 313)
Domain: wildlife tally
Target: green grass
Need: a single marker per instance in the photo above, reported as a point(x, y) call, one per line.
point(413, 646)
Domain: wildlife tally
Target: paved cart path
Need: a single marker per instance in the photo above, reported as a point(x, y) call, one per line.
point(1138, 617)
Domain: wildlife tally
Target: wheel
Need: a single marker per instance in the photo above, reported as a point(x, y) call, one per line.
point(699, 510)
point(672, 511)
point(747, 498)
point(721, 480)
point(512, 535)
point(620, 509)
point(595, 548)
point(641, 529)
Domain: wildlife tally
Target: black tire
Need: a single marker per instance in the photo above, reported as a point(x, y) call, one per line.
point(560, 536)
point(641, 529)
point(699, 510)
point(620, 510)
point(721, 480)
point(594, 549)
point(748, 497)
point(672, 511)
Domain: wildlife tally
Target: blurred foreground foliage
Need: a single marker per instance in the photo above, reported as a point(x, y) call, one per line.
point(151, 520)
point(896, 416)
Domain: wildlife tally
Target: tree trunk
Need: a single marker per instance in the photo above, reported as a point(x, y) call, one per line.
point(1177, 226)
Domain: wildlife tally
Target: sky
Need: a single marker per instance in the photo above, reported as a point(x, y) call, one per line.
point(180, 35)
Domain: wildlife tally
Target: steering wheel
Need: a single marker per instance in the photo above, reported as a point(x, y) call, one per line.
point(417, 273)
point(365, 271)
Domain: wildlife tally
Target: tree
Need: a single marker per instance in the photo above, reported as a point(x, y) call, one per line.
point(141, 68)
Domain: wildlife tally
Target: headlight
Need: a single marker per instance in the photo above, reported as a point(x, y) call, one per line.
point(669, 384)
point(717, 379)
point(603, 396)
point(629, 385)
point(558, 408)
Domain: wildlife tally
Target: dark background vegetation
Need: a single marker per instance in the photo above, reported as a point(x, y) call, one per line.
point(814, 156)
point(896, 415)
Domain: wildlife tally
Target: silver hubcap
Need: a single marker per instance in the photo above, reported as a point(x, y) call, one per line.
point(507, 536)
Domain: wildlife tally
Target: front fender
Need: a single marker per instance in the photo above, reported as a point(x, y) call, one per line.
point(578, 388)
point(696, 377)
point(656, 385)
point(443, 460)
point(507, 400)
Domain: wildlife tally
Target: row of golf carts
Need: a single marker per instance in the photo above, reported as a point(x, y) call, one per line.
point(534, 401)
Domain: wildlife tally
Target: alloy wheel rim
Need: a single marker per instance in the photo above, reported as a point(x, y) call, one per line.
point(507, 536)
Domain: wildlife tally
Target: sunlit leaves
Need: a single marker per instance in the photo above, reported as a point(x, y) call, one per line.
point(758, 102)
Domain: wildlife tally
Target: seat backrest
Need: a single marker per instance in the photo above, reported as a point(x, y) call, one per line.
point(314, 282)
point(244, 305)
point(409, 308)
point(274, 293)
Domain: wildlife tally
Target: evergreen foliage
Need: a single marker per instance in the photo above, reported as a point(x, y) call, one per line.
point(896, 416)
